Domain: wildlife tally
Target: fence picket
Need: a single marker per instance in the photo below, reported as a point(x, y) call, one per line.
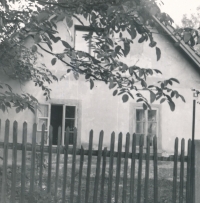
point(132, 186)
point(103, 175)
point(50, 159)
point(140, 169)
point(182, 171)
point(57, 164)
point(118, 167)
point(33, 153)
point(5, 161)
point(188, 183)
point(65, 164)
point(41, 156)
point(14, 161)
point(146, 185)
point(155, 165)
point(73, 166)
point(66, 150)
point(112, 145)
point(80, 175)
point(175, 171)
point(89, 167)
point(124, 191)
point(96, 183)
point(23, 169)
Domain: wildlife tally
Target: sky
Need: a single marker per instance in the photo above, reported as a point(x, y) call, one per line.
point(176, 8)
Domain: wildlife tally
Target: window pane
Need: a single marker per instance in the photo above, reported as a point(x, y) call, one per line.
point(40, 123)
point(39, 137)
point(70, 111)
point(69, 123)
point(43, 110)
point(140, 127)
point(140, 115)
point(138, 139)
point(152, 127)
point(152, 115)
point(151, 139)
point(81, 44)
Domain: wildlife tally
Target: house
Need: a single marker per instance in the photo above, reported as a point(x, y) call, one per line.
point(73, 104)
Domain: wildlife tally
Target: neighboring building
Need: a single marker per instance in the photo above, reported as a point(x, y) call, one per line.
point(73, 104)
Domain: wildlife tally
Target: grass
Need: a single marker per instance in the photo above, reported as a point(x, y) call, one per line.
point(165, 174)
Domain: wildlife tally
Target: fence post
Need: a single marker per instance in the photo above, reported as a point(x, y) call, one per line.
point(196, 192)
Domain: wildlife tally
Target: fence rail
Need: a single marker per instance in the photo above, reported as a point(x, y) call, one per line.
point(114, 176)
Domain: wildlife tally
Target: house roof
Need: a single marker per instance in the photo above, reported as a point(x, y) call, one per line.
point(170, 31)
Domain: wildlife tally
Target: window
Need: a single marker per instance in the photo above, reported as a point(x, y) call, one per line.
point(146, 123)
point(57, 115)
point(85, 45)
point(80, 43)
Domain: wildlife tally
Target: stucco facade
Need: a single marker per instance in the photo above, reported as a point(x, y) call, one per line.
point(98, 109)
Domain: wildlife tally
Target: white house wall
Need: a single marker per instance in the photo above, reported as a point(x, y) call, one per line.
point(101, 111)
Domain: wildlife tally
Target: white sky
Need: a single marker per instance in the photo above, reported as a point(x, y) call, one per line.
point(176, 8)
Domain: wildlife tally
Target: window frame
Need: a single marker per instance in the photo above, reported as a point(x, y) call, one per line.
point(82, 28)
point(48, 120)
point(146, 122)
point(63, 103)
point(132, 122)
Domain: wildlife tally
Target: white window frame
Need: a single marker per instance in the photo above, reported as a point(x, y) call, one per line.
point(146, 122)
point(41, 117)
point(62, 103)
point(132, 122)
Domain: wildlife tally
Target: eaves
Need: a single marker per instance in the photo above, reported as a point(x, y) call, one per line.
point(180, 43)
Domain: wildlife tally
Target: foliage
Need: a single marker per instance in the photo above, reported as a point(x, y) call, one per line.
point(189, 32)
point(113, 28)
point(193, 20)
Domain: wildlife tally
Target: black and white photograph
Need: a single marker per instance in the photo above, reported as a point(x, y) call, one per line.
point(99, 101)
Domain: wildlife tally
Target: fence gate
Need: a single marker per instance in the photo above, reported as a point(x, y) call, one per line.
point(33, 172)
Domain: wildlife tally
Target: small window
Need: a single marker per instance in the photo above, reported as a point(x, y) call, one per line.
point(146, 124)
point(85, 45)
point(56, 115)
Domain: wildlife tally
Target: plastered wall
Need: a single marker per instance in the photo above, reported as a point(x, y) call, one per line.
point(101, 111)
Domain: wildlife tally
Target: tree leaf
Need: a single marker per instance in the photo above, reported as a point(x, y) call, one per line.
point(91, 83)
point(186, 37)
point(125, 98)
point(143, 83)
point(112, 85)
point(152, 44)
point(158, 53)
point(117, 49)
point(126, 48)
point(18, 109)
point(42, 16)
point(144, 106)
point(66, 44)
point(115, 92)
point(162, 100)
point(172, 105)
point(152, 96)
point(69, 21)
point(133, 32)
point(141, 40)
point(183, 99)
point(76, 75)
point(174, 79)
point(34, 48)
point(53, 61)
point(53, 38)
point(50, 47)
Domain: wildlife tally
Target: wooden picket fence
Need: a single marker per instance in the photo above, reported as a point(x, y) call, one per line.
point(105, 183)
